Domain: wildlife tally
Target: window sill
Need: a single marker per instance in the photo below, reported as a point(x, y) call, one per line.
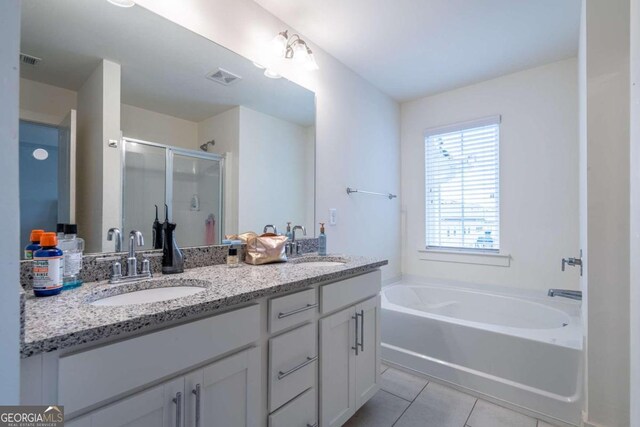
point(465, 257)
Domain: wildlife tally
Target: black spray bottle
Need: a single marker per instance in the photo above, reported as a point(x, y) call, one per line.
point(172, 257)
point(157, 232)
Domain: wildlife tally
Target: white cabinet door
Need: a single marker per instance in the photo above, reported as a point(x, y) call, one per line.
point(368, 358)
point(145, 409)
point(229, 392)
point(337, 367)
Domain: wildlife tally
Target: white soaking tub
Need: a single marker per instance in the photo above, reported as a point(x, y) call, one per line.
point(523, 348)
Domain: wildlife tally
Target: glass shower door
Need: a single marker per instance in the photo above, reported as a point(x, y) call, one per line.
point(196, 202)
point(144, 185)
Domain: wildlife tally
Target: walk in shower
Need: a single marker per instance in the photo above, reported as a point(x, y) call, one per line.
point(189, 182)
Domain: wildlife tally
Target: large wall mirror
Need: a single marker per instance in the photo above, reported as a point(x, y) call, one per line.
point(122, 110)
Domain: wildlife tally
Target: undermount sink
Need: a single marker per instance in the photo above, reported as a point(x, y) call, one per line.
point(146, 296)
point(321, 264)
point(317, 261)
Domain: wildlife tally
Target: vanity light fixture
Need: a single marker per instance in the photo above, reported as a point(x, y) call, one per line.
point(122, 3)
point(294, 48)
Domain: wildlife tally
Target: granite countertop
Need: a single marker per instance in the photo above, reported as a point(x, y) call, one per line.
point(68, 319)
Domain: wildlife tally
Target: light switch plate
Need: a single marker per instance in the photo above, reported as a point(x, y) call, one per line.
point(333, 216)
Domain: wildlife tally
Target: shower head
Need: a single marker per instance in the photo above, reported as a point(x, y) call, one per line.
point(205, 146)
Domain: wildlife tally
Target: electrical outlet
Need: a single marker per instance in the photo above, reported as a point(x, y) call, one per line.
point(333, 216)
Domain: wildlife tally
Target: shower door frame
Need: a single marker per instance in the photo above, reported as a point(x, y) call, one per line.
point(169, 151)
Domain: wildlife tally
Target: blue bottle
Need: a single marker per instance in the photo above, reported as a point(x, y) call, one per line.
point(48, 267)
point(322, 241)
point(34, 245)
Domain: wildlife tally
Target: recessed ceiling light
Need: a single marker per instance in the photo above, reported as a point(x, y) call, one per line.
point(122, 3)
point(257, 64)
point(40, 154)
point(271, 74)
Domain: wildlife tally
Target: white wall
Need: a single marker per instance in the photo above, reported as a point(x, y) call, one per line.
point(43, 103)
point(98, 165)
point(10, 206)
point(273, 186)
point(357, 126)
point(538, 175)
point(607, 144)
point(150, 126)
point(635, 212)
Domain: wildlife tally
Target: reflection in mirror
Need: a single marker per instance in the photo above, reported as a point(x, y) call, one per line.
point(135, 111)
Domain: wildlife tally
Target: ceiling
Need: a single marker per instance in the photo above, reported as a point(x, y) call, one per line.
point(413, 48)
point(163, 64)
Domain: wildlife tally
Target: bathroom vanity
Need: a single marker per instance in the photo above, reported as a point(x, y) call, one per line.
point(279, 345)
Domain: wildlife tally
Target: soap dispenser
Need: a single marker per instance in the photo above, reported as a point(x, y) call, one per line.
point(322, 241)
point(289, 234)
point(172, 257)
point(157, 232)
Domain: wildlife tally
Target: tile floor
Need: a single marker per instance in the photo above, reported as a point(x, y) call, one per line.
point(406, 400)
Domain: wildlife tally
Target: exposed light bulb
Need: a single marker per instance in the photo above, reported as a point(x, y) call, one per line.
point(271, 74)
point(122, 3)
point(300, 54)
point(279, 44)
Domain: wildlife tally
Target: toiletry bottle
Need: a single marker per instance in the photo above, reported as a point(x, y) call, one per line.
point(48, 267)
point(157, 232)
point(72, 246)
point(233, 260)
point(34, 245)
point(60, 231)
point(289, 234)
point(322, 241)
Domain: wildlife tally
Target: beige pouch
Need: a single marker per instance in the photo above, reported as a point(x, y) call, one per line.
point(265, 249)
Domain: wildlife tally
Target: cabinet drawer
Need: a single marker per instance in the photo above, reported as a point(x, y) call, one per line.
point(300, 412)
point(347, 292)
point(92, 376)
point(291, 310)
point(292, 364)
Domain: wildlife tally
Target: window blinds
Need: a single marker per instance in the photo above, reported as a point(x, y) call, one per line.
point(462, 186)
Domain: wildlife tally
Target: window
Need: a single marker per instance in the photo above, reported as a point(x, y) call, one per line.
point(462, 186)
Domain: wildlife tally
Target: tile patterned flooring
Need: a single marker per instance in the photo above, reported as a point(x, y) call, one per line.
point(405, 400)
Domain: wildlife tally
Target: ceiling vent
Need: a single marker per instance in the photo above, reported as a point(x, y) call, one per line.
point(29, 60)
point(223, 77)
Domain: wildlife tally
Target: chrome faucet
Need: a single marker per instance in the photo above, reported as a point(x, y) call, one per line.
point(135, 238)
point(115, 233)
point(566, 293)
point(293, 247)
point(293, 232)
point(268, 226)
point(572, 262)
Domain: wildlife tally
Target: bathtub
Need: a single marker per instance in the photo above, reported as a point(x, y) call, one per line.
point(520, 348)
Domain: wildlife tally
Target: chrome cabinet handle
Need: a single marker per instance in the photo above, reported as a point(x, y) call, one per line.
point(196, 391)
point(178, 401)
point(361, 330)
point(312, 425)
point(356, 340)
point(309, 360)
point(296, 311)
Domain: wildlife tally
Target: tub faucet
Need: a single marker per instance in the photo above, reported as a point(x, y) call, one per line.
point(572, 262)
point(566, 293)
